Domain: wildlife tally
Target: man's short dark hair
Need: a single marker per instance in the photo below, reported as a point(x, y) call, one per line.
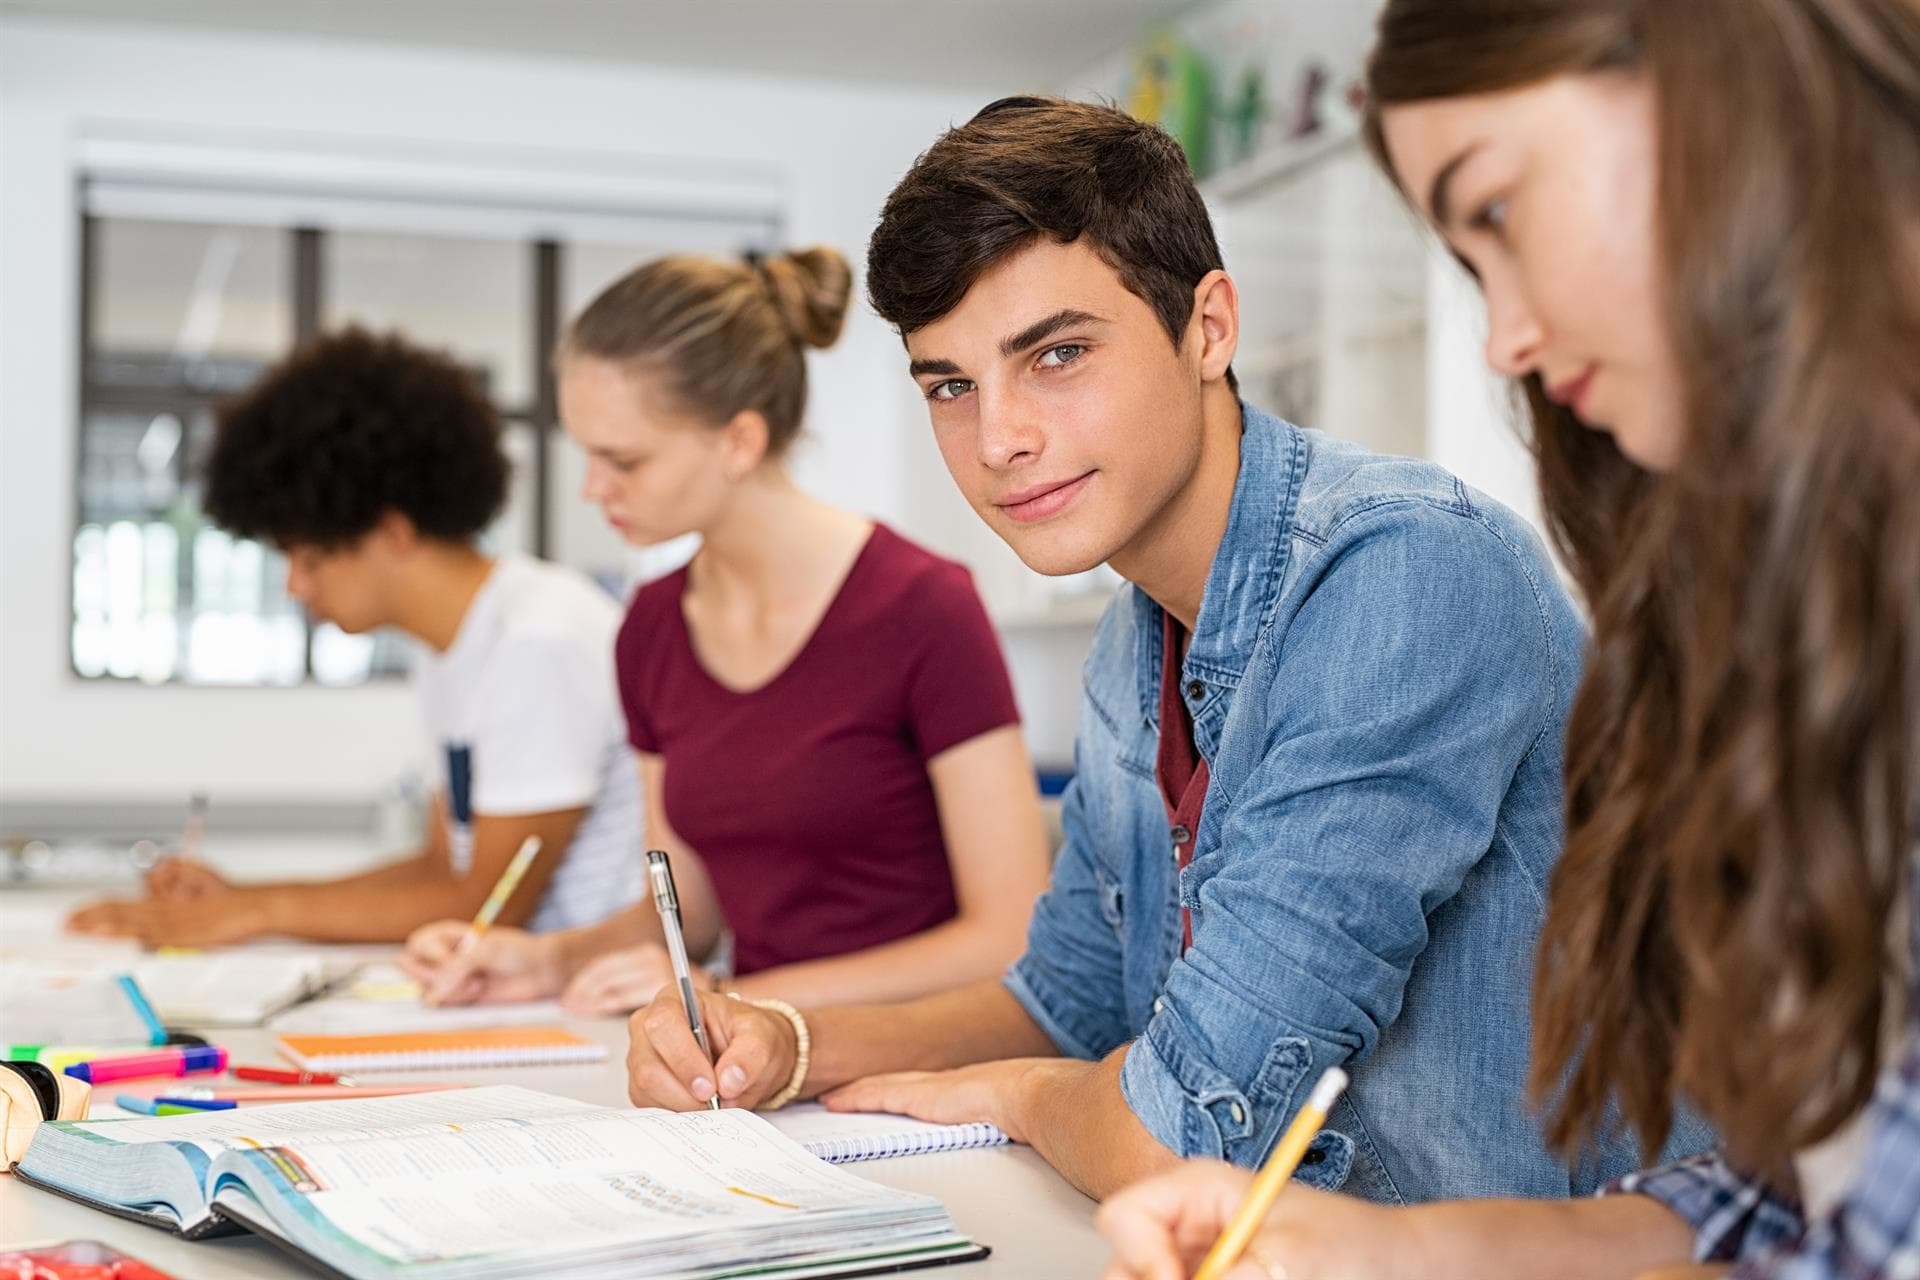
point(348, 428)
point(1024, 168)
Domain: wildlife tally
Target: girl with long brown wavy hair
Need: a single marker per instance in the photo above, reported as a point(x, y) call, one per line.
point(1696, 224)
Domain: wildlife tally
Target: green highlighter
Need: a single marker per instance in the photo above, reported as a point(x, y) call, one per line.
point(57, 1057)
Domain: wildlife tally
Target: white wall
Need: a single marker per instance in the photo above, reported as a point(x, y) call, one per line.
point(836, 150)
point(1319, 254)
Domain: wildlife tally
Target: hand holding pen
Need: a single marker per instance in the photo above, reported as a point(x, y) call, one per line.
point(667, 902)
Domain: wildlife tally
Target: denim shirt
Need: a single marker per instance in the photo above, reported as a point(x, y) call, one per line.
point(1379, 679)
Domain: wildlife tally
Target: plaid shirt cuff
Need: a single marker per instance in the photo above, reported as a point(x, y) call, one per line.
point(1733, 1217)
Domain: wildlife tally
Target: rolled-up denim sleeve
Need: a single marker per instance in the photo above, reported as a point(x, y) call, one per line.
point(1070, 978)
point(1417, 671)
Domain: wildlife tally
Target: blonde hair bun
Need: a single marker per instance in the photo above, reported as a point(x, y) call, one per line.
point(811, 288)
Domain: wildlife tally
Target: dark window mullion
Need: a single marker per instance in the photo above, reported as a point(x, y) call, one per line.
point(546, 396)
point(308, 300)
point(89, 263)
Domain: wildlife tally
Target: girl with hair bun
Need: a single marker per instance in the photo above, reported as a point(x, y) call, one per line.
point(825, 728)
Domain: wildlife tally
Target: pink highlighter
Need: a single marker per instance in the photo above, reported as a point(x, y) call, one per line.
point(178, 1060)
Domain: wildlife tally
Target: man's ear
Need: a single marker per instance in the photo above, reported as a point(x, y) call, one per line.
point(1214, 326)
point(395, 534)
point(744, 442)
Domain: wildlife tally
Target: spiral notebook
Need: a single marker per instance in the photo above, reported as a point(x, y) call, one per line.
point(842, 1137)
point(440, 1050)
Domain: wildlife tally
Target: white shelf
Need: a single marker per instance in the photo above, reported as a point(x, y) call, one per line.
point(1277, 164)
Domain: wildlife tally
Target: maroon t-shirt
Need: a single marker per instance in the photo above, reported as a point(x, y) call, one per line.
point(808, 798)
point(1179, 767)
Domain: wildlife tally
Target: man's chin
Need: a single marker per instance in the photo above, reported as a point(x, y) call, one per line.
point(1055, 553)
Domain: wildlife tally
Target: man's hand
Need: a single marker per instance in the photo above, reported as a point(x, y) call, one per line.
point(506, 965)
point(754, 1051)
point(995, 1092)
point(233, 916)
point(624, 980)
point(185, 879)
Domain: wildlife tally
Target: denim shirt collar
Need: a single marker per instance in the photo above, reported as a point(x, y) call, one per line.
point(1242, 586)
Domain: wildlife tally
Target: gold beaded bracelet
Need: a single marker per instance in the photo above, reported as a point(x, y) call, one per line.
point(803, 1052)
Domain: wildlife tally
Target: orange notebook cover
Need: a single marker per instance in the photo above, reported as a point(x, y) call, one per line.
point(437, 1050)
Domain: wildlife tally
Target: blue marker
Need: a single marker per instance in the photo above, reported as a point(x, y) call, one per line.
point(153, 1106)
point(156, 1034)
point(198, 1104)
point(460, 807)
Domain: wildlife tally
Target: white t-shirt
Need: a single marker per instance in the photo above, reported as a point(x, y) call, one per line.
point(528, 687)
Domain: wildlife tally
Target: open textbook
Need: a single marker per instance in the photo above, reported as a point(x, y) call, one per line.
point(499, 1182)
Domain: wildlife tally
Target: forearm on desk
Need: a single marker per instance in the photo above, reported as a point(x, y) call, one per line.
point(977, 1023)
point(959, 951)
point(351, 911)
point(1074, 1114)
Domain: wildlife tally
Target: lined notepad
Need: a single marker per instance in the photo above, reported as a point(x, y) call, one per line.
point(844, 1137)
point(441, 1050)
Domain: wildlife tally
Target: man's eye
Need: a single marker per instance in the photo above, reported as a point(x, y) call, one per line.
point(949, 389)
point(1064, 354)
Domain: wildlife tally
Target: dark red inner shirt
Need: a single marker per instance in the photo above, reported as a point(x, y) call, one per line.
point(1178, 765)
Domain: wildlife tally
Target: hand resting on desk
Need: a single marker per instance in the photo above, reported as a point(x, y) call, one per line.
point(211, 920)
point(624, 980)
point(509, 965)
point(184, 878)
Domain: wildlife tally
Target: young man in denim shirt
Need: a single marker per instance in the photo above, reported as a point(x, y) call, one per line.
point(1317, 797)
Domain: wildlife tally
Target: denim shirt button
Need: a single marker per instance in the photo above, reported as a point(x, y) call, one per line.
point(1196, 690)
point(1238, 1112)
point(1158, 1004)
point(1180, 835)
point(1314, 1155)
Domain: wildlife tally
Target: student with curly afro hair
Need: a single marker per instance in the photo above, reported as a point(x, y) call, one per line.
point(375, 466)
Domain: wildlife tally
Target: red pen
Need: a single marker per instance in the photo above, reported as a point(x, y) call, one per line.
point(280, 1075)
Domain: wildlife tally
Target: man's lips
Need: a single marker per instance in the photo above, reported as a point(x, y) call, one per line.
point(1039, 501)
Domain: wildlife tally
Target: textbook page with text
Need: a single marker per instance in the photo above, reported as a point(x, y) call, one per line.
point(498, 1182)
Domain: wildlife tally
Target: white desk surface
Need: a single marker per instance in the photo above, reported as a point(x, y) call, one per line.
point(1008, 1198)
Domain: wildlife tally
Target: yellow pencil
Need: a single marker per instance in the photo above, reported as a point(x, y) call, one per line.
point(1273, 1177)
point(490, 909)
point(502, 890)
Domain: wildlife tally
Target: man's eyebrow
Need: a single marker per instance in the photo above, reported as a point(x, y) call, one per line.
point(1013, 344)
point(1440, 194)
point(1041, 330)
